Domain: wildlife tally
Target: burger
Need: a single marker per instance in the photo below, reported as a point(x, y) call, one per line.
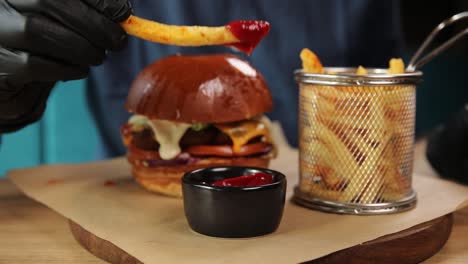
point(192, 112)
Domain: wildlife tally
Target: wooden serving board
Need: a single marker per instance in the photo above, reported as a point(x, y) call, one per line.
point(412, 245)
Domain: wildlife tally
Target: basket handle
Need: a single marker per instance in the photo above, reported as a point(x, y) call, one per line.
point(416, 62)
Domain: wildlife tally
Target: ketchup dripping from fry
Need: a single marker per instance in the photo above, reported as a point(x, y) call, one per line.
point(249, 33)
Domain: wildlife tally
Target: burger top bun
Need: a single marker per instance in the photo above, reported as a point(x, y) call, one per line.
point(203, 88)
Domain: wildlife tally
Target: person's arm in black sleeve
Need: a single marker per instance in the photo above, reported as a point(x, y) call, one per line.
point(447, 148)
point(45, 41)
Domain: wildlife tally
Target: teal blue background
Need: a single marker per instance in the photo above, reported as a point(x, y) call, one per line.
point(67, 132)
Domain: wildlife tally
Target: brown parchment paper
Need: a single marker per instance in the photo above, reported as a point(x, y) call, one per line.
point(153, 228)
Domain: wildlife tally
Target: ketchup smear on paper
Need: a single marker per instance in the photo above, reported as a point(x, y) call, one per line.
point(109, 183)
point(54, 181)
point(256, 179)
point(249, 33)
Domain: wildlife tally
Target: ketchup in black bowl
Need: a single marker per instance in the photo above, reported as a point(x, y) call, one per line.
point(234, 202)
point(251, 180)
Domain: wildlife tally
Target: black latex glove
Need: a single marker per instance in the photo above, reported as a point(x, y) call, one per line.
point(45, 41)
point(447, 149)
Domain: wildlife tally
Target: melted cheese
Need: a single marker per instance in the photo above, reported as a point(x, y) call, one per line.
point(242, 132)
point(168, 135)
point(138, 122)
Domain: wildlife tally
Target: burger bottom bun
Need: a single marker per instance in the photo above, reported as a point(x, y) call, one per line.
point(167, 179)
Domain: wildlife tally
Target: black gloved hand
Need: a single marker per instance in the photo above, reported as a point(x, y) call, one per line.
point(44, 41)
point(447, 149)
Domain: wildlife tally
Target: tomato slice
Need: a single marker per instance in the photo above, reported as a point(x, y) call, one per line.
point(204, 150)
point(226, 150)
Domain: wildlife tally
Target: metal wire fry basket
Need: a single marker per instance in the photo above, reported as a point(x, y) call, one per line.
point(356, 141)
point(356, 134)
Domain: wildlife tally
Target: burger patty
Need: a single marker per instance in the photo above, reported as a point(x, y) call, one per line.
point(208, 136)
point(144, 139)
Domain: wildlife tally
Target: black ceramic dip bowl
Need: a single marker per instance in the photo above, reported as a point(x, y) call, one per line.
point(232, 212)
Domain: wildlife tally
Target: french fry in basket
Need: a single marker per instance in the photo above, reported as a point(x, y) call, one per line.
point(366, 175)
point(310, 62)
point(396, 66)
point(396, 184)
point(335, 144)
point(375, 173)
point(346, 101)
point(318, 189)
point(372, 191)
point(328, 171)
point(361, 71)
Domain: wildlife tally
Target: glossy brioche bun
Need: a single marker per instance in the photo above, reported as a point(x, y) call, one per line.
point(203, 88)
point(167, 179)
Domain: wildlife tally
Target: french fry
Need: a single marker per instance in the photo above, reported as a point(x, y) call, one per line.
point(323, 167)
point(374, 173)
point(396, 184)
point(336, 145)
point(320, 190)
point(396, 66)
point(361, 71)
point(310, 62)
point(391, 195)
point(177, 35)
point(366, 175)
point(247, 33)
point(372, 189)
point(356, 142)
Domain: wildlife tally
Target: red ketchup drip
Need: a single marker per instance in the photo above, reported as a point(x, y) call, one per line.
point(256, 179)
point(249, 33)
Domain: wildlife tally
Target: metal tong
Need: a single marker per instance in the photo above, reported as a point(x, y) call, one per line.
point(417, 62)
